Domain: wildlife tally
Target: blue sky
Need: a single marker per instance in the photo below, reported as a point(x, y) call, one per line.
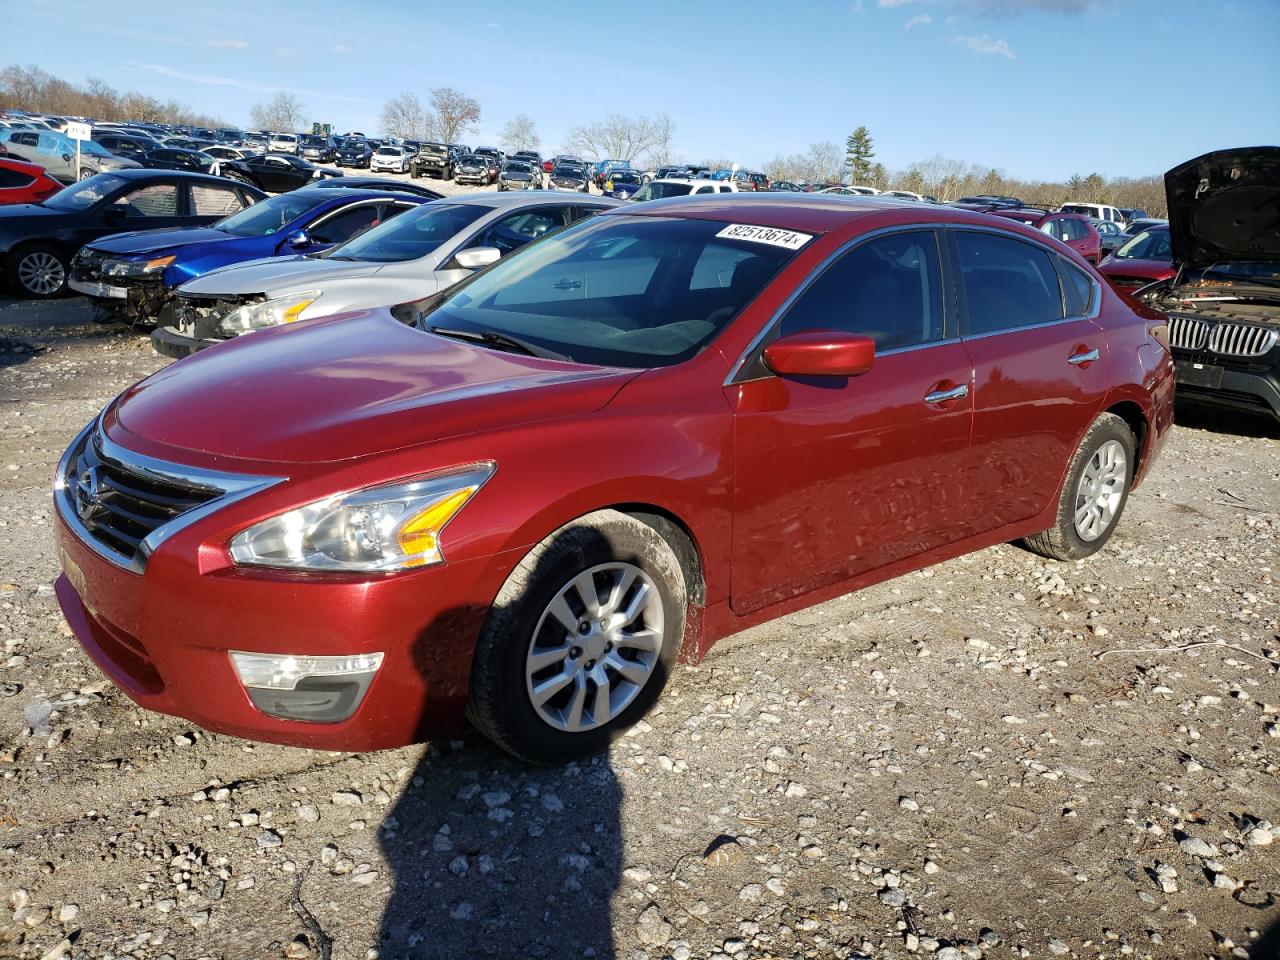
point(1038, 88)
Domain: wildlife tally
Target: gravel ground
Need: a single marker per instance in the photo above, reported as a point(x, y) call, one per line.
point(998, 757)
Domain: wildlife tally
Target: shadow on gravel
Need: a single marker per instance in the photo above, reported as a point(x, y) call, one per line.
point(1240, 423)
point(495, 859)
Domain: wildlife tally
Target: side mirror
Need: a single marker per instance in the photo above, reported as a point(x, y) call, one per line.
point(477, 257)
point(821, 353)
point(299, 238)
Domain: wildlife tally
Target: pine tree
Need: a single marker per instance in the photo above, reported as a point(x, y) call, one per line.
point(859, 150)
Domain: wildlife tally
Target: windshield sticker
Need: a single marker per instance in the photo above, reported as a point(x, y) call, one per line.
point(788, 239)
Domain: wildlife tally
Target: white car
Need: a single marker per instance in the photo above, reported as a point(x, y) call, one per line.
point(1099, 211)
point(671, 187)
point(904, 195)
point(390, 159)
point(283, 143)
point(413, 255)
point(853, 190)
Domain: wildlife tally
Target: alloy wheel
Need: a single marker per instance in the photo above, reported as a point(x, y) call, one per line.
point(1101, 490)
point(41, 273)
point(595, 647)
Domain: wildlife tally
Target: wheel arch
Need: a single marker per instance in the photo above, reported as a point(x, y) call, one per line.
point(1136, 418)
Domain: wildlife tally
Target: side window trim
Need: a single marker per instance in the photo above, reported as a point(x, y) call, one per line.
point(744, 369)
point(1094, 307)
point(963, 330)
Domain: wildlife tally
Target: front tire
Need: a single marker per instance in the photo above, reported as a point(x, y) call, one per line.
point(1094, 493)
point(580, 640)
point(38, 271)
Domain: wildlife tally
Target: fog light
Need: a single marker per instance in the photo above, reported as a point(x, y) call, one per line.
point(315, 689)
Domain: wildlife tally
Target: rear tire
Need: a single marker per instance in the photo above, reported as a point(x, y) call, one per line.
point(545, 692)
point(1093, 495)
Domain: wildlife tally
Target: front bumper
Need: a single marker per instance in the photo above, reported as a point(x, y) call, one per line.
point(101, 291)
point(1236, 384)
point(171, 342)
point(163, 633)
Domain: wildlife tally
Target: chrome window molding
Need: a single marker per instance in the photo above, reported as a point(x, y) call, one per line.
point(228, 487)
point(732, 377)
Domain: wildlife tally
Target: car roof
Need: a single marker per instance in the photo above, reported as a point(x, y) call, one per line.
point(801, 211)
point(521, 198)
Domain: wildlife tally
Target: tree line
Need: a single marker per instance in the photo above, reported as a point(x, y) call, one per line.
point(31, 88)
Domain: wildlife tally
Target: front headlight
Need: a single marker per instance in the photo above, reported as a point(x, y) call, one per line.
point(268, 313)
point(380, 530)
point(135, 268)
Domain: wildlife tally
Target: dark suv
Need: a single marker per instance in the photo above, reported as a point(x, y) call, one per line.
point(318, 149)
point(434, 160)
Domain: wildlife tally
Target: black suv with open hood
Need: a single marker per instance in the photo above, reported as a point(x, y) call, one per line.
point(1223, 304)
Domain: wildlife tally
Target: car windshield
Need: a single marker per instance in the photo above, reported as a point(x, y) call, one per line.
point(411, 235)
point(660, 191)
point(388, 151)
point(567, 170)
point(265, 218)
point(623, 176)
point(614, 290)
point(513, 166)
point(1148, 245)
point(83, 195)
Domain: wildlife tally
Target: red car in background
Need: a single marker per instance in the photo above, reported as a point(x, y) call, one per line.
point(1144, 259)
point(525, 500)
point(1073, 229)
point(22, 182)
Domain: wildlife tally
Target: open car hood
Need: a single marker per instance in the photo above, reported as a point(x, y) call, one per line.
point(1225, 207)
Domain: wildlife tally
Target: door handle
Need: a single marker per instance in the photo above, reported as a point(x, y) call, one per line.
point(942, 396)
point(1087, 356)
point(567, 284)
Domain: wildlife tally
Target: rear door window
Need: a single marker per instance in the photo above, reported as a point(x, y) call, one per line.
point(1008, 283)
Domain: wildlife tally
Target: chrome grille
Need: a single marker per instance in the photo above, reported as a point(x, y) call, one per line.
point(1242, 340)
point(120, 506)
point(1187, 333)
point(123, 505)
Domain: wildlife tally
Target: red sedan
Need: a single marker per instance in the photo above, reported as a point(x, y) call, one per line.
point(526, 500)
point(1143, 259)
point(1073, 229)
point(22, 182)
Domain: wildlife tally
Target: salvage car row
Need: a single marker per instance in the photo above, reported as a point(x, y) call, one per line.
point(530, 449)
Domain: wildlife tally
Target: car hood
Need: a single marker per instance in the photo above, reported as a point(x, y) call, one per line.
point(275, 273)
point(349, 387)
point(1225, 206)
point(153, 241)
point(17, 211)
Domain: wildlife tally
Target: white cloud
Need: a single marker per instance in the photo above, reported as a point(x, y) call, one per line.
point(229, 44)
point(919, 20)
point(984, 44)
point(342, 49)
point(285, 53)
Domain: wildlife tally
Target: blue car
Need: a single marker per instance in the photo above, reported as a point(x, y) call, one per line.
point(135, 274)
point(621, 184)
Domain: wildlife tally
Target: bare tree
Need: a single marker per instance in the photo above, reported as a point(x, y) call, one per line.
point(453, 114)
point(404, 116)
point(821, 163)
point(283, 113)
point(519, 133)
point(618, 137)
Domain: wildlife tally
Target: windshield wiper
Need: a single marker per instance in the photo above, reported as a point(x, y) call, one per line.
point(499, 341)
